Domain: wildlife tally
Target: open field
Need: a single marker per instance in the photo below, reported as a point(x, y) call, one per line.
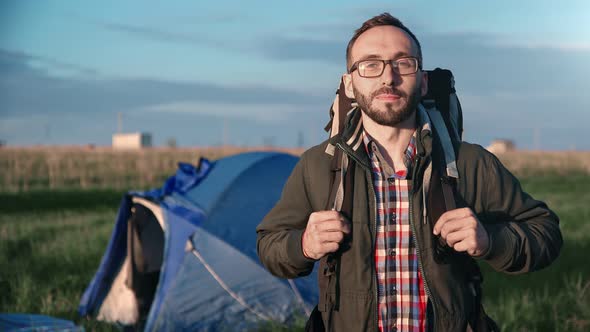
point(41, 168)
point(52, 238)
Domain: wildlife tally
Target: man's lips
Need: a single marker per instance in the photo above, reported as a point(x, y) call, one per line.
point(387, 96)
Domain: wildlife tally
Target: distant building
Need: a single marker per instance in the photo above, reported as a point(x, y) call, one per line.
point(132, 141)
point(501, 146)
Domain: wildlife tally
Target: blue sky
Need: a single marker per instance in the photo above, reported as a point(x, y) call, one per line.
point(254, 72)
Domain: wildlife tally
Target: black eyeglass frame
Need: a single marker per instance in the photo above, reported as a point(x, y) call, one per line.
point(385, 62)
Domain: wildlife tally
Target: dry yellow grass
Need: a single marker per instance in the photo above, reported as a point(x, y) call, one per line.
point(31, 168)
point(533, 163)
point(24, 169)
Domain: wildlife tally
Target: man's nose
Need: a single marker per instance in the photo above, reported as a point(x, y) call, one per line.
point(390, 76)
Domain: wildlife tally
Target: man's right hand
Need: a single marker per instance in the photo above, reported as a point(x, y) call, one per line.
point(324, 233)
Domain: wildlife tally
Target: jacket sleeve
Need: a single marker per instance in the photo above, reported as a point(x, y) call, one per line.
point(280, 232)
point(524, 233)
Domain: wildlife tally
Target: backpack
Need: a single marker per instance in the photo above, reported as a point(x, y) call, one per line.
point(444, 110)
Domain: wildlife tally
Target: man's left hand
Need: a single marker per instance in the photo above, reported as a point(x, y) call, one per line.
point(462, 231)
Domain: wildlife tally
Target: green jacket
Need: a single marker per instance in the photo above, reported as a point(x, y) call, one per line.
point(524, 234)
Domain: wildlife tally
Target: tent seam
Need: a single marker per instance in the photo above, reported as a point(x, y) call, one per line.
point(226, 287)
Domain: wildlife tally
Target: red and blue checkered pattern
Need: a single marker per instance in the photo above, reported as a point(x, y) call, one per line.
point(400, 291)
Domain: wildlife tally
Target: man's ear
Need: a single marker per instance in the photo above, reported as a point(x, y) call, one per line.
point(347, 79)
point(424, 86)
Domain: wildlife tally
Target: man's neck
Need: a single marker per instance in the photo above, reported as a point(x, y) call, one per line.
point(392, 141)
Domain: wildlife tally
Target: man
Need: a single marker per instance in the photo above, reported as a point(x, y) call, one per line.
point(392, 275)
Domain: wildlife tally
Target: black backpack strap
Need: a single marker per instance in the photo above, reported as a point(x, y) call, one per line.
point(441, 93)
point(441, 198)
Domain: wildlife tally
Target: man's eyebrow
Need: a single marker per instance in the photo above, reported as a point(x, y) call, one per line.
point(371, 56)
point(376, 56)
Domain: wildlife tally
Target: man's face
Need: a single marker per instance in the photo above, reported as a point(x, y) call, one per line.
point(390, 98)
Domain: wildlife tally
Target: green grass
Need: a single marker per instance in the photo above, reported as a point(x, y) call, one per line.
point(51, 244)
point(556, 298)
point(50, 247)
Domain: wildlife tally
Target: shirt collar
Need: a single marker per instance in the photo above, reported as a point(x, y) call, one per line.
point(422, 122)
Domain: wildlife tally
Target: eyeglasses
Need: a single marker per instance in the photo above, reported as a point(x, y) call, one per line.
point(375, 67)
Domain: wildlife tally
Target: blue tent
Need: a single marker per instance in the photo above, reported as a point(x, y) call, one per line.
point(35, 323)
point(183, 257)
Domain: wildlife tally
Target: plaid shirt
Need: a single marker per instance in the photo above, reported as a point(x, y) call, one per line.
point(400, 288)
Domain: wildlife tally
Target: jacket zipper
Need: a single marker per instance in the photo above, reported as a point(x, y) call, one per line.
point(419, 253)
point(374, 270)
point(349, 153)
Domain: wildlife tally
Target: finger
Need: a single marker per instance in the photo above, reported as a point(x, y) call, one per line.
point(457, 225)
point(329, 247)
point(333, 226)
point(332, 214)
point(346, 226)
point(450, 215)
point(325, 215)
point(442, 220)
point(467, 244)
point(459, 235)
point(337, 237)
point(317, 245)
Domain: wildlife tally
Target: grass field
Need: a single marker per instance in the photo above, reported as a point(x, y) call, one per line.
point(55, 168)
point(50, 246)
point(557, 298)
point(51, 242)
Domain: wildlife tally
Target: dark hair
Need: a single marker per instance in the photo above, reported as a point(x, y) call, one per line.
point(380, 20)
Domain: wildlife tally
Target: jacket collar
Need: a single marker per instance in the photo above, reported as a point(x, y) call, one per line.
point(350, 140)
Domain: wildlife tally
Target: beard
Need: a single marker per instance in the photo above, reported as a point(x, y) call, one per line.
point(391, 116)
